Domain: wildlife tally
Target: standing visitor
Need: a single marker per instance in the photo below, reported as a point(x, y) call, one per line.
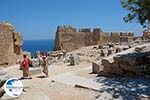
point(45, 66)
point(25, 67)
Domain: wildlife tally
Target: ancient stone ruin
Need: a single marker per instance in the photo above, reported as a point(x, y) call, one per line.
point(10, 45)
point(134, 61)
point(69, 38)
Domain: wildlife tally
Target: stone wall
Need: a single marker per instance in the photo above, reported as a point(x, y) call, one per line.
point(121, 37)
point(10, 45)
point(126, 37)
point(104, 38)
point(115, 37)
point(69, 38)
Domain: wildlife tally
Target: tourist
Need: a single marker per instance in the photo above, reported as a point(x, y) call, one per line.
point(45, 65)
point(25, 67)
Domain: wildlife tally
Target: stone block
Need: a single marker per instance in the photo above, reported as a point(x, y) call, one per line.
point(113, 68)
point(35, 62)
point(95, 67)
point(34, 70)
point(132, 59)
point(74, 60)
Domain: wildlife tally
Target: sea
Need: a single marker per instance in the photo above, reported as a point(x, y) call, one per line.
point(38, 45)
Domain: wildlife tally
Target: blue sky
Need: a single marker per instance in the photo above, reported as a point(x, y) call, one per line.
point(38, 19)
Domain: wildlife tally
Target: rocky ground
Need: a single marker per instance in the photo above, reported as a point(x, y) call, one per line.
point(78, 83)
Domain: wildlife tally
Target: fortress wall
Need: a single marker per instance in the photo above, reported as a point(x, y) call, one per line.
point(69, 38)
point(10, 45)
point(74, 40)
point(115, 37)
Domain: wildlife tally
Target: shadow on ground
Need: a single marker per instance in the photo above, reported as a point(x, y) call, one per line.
point(42, 76)
point(126, 88)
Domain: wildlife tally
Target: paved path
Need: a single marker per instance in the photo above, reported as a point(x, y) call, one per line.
point(70, 78)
